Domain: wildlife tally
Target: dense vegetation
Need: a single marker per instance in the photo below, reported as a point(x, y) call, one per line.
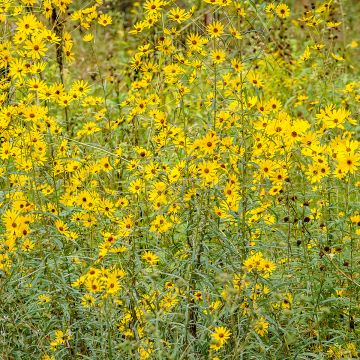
point(179, 179)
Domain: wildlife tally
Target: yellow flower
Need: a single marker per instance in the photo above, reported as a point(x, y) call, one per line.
point(237, 65)
point(150, 257)
point(215, 29)
point(261, 326)
point(112, 285)
point(283, 11)
point(47, 357)
point(255, 79)
point(195, 42)
point(178, 15)
point(270, 8)
point(235, 33)
point(198, 295)
point(43, 298)
point(27, 24)
point(216, 345)
point(153, 6)
point(136, 186)
point(349, 162)
point(36, 48)
point(104, 20)
point(354, 44)
point(218, 56)
point(28, 245)
point(88, 37)
point(221, 334)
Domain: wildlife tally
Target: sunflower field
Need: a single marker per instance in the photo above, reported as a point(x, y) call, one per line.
point(179, 179)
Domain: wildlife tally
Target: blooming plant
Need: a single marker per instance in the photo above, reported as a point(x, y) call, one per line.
point(179, 179)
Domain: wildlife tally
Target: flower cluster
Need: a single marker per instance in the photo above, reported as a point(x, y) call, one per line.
point(176, 166)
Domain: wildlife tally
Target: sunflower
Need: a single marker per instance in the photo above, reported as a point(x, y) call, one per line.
point(221, 334)
point(282, 11)
point(215, 29)
point(150, 258)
